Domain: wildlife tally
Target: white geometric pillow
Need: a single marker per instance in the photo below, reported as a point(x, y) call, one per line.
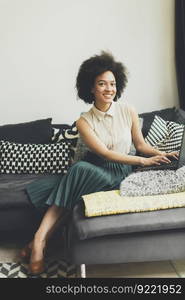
point(34, 158)
point(165, 135)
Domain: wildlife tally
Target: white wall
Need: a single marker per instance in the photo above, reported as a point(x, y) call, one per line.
point(43, 43)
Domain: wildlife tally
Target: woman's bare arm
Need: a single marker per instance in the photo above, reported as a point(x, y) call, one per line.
point(98, 147)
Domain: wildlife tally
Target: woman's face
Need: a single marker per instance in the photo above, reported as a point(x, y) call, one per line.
point(104, 89)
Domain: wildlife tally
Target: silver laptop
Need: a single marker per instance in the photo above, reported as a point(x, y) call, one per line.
point(174, 165)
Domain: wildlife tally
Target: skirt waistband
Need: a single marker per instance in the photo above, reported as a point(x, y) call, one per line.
point(94, 159)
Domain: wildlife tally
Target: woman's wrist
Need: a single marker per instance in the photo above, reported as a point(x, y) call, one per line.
point(162, 153)
point(158, 152)
point(141, 161)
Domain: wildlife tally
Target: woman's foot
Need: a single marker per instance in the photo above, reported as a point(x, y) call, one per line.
point(37, 265)
point(36, 268)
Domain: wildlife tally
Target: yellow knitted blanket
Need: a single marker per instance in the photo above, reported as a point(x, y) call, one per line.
point(110, 202)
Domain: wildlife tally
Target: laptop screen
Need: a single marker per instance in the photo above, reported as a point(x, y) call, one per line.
point(181, 160)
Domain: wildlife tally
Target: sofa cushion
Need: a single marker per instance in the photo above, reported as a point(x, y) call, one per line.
point(87, 228)
point(39, 131)
point(12, 190)
point(34, 158)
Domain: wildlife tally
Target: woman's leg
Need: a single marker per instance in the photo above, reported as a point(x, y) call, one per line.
point(49, 223)
point(82, 178)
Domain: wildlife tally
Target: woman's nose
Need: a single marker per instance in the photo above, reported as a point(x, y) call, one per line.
point(108, 87)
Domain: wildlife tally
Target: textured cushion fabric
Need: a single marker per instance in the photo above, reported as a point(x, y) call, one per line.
point(153, 182)
point(34, 158)
point(126, 223)
point(38, 132)
point(165, 135)
point(168, 114)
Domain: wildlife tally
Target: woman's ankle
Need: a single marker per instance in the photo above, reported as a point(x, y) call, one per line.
point(39, 239)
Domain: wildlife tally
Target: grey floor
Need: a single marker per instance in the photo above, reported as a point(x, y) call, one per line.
point(9, 252)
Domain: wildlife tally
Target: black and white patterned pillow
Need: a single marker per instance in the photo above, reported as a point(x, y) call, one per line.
point(34, 158)
point(165, 135)
point(69, 135)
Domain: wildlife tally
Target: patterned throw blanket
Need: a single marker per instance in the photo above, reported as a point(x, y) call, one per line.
point(141, 191)
point(153, 183)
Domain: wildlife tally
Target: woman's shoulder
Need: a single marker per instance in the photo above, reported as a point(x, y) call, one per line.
point(85, 117)
point(86, 113)
point(127, 111)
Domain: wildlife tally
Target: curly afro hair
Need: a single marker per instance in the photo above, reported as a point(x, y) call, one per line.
point(95, 66)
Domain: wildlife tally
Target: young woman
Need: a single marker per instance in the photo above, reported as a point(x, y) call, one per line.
point(107, 129)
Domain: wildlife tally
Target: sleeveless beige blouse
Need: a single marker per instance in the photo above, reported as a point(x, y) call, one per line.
point(112, 127)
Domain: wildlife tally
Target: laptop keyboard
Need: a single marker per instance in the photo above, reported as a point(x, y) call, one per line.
point(163, 166)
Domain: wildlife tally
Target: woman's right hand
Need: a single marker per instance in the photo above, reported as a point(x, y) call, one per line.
point(154, 160)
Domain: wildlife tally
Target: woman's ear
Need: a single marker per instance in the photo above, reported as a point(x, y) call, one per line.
point(92, 90)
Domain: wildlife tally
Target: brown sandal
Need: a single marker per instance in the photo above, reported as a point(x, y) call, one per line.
point(37, 267)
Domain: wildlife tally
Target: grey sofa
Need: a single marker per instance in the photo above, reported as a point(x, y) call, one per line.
point(120, 238)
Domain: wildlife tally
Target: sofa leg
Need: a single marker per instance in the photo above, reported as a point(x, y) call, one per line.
point(83, 271)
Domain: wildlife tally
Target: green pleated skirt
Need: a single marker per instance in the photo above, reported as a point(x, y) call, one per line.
point(93, 174)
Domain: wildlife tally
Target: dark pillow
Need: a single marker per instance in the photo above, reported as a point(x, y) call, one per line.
point(66, 133)
point(180, 115)
point(60, 126)
point(34, 158)
point(35, 132)
point(168, 114)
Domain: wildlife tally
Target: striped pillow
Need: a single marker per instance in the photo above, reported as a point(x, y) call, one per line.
point(165, 135)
